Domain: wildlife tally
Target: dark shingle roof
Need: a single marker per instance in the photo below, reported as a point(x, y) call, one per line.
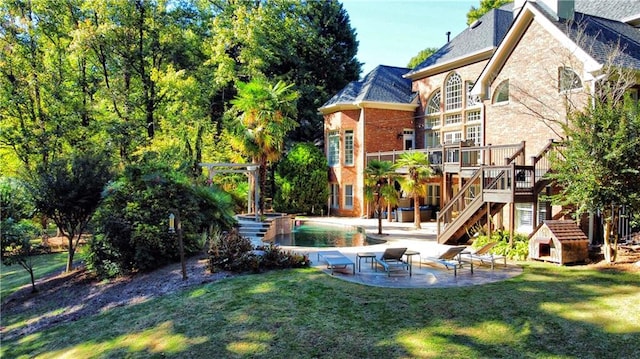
point(382, 84)
point(598, 36)
point(611, 9)
point(487, 33)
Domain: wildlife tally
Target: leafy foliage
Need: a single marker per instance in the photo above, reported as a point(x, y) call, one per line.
point(16, 246)
point(14, 200)
point(230, 251)
point(132, 221)
point(518, 251)
point(379, 186)
point(599, 167)
point(485, 6)
point(421, 56)
point(418, 173)
point(264, 114)
point(68, 191)
point(301, 180)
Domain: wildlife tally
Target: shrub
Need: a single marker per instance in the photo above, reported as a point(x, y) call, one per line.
point(230, 251)
point(519, 251)
point(132, 222)
point(301, 181)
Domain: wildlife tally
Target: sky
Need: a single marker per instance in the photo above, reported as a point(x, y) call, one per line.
point(391, 32)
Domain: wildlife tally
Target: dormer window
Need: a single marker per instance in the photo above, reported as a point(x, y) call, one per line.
point(568, 79)
point(501, 95)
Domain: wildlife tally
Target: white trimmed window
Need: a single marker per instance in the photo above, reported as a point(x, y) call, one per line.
point(473, 134)
point(431, 122)
point(348, 196)
point(431, 138)
point(501, 95)
point(333, 155)
point(473, 116)
point(433, 194)
point(452, 137)
point(408, 139)
point(335, 199)
point(453, 119)
point(568, 79)
point(433, 104)
point(453, 92)
point(348, 148)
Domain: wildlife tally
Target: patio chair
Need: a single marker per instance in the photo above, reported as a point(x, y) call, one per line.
point(391, 259)
point(450, 259)
point(336, 260)
point(483, 255)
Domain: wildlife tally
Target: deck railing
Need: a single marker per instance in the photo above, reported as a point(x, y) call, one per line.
point(461, 155)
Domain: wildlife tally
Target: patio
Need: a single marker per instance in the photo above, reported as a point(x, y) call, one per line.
point(398, 234)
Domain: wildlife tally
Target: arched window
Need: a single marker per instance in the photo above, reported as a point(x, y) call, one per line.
point(453, 92)
point(502, 92)
point(568, 79)
point(433, 105)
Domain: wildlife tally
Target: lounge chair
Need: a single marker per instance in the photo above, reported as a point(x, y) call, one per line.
point(391, 259)
point(483, 255)
point(336, 260)
point(450, 259)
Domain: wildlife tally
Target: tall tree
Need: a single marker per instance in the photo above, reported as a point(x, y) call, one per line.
point(378, 186)
point(264, 114)
point(307, 43)
point(40, 83)
point(418, 172)
point(421, 56)
point(68, 191)
point(599, 167)
point(485, 6)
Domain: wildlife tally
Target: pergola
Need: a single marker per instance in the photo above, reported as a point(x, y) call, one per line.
point(250, 169)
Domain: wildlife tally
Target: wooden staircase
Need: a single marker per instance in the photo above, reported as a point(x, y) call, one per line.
point(488, 190)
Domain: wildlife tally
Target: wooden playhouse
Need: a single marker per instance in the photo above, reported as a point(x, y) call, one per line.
point(559, 242)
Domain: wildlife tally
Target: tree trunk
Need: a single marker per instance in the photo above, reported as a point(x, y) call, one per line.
point(33, 280)
point(389, 217)
point(610, 247)
point(416, 212)
point(71, 253)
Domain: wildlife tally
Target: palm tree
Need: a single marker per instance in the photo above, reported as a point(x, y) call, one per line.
point(264, 114)
point(379, 186)
point(418, 171)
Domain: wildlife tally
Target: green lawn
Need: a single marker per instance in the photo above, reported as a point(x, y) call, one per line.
point(14, 276)
point(547, 312)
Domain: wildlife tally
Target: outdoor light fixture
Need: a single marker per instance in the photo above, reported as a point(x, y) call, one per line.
point(172, 221)
point(174, 226)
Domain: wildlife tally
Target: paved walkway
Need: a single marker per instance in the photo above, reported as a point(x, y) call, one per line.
point(424, 275)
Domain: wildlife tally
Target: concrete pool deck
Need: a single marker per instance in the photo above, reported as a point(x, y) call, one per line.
point(399, 234)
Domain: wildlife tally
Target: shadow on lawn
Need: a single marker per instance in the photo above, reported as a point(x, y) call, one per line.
point(548, 311)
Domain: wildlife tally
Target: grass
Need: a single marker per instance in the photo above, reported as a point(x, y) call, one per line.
point(14, 276)
point(547, 312)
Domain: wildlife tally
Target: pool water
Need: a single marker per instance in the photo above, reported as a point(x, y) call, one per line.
point(308, 234)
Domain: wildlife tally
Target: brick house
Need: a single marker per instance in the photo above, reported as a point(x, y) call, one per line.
point(486, 107)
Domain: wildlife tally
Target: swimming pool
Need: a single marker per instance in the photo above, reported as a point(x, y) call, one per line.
point(314, 234)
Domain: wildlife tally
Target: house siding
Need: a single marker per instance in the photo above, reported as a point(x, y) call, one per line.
point(535, 108)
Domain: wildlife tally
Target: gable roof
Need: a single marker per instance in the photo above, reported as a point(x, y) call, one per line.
point(589, 37)
point(383, 86)
point(564, 230)
point(475, 43)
